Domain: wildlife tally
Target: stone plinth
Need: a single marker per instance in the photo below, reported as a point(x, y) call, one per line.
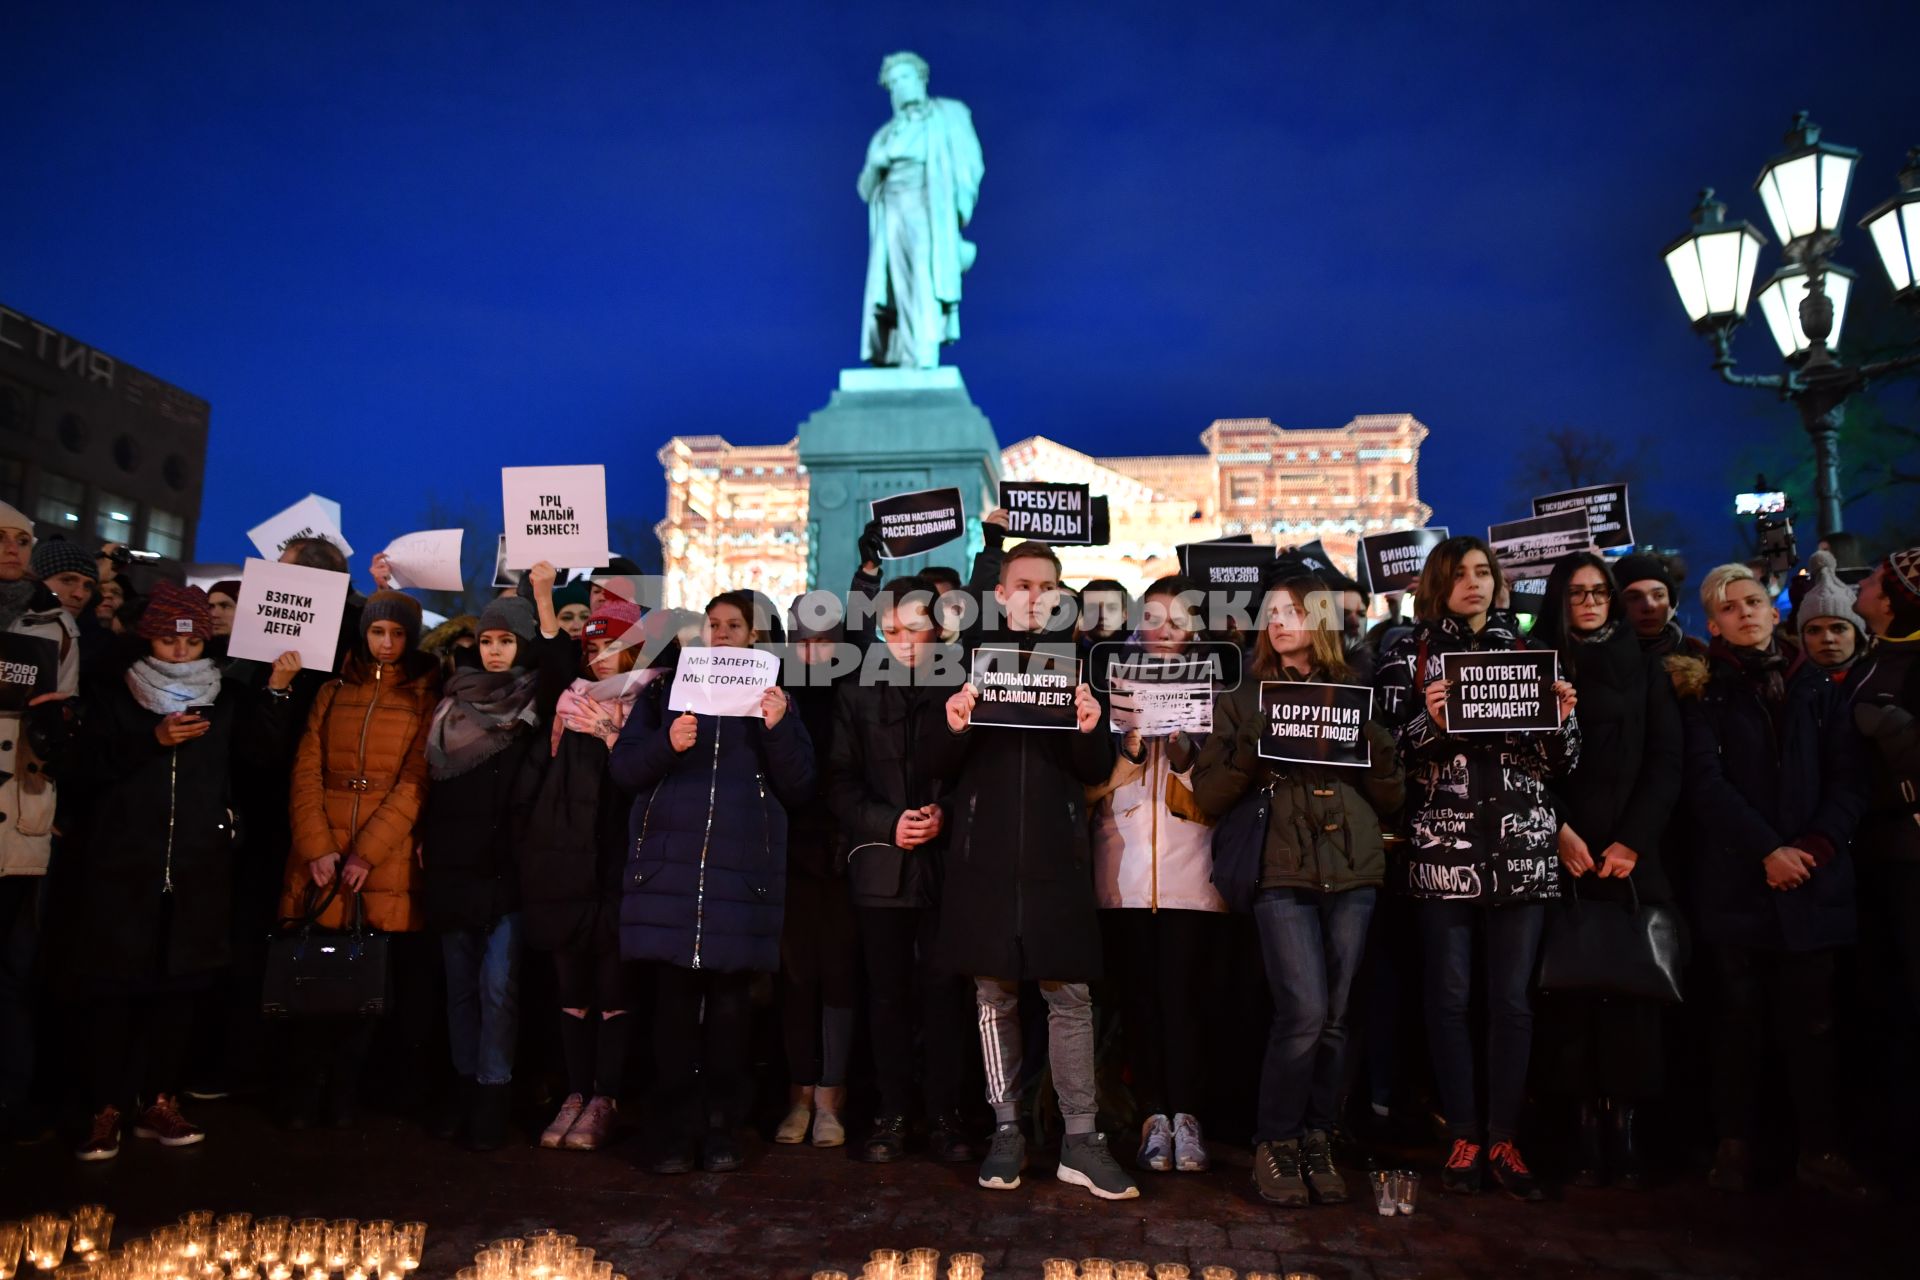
point(887, 431)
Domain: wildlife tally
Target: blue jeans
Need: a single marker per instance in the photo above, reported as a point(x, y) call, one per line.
point(1312, 944)
point(1512, 945)
point(483, 998)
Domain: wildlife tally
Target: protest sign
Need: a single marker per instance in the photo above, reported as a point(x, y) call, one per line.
point(1211, 662)
point(1609, 523)
point(1156, 709)
point(914, 522)
point(1312, 723)
point(288, 607)
point(29, 667)
point(1509, 692)
point(1031, 689)
point(204, 576)
point(1060, 514)
point(723, 682)
point(1225, 566)
point(556, 514)
point(1392, 561)
point(427, 561)
point(1528, 548)
point(311, 517)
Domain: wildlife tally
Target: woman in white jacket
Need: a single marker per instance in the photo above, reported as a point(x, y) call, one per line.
point(28, 610)
point(1153, 880)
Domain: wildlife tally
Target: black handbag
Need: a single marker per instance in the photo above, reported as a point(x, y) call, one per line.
point(1239, 844)
point(326, 973)
point(1614, 948)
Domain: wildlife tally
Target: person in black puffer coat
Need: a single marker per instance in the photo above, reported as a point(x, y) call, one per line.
point(706, 885)
point(484, 736)
point(153, 885)
point(573, 860)
point(1482, 856)
point(1605, 1052)
point(1777, 779)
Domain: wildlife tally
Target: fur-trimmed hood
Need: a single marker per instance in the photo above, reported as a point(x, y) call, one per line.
point(1689, 675)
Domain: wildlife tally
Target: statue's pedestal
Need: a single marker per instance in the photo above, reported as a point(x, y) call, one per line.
point(888, 431)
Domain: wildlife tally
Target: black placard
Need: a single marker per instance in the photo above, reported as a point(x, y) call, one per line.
point(1025, 689)
point(1528, 548)
point(1225, 566)
point(1058, 514)
point(29, 666)
point(1609, 523)
point(1510, 692)
point(1392, 561)
point(911, 523)
point(1312, 723)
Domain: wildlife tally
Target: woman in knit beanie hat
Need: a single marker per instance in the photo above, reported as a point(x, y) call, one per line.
point(153, 885)
point(1830, 632)
point(358, 784)
point(572, 607)
point(1889, 599)
point(485, 739)
point(571, 868)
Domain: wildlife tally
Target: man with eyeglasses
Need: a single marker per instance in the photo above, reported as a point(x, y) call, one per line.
point(1647, 586)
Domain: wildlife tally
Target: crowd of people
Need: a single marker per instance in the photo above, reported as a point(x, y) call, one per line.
point(597, 903)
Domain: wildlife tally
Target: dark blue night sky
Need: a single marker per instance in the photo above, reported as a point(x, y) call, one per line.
point(398, 247)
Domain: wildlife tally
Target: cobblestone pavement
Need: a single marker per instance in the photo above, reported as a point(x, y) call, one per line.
point(794, 1210)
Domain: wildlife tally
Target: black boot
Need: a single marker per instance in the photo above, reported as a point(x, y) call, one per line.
point(1623, 1151)
point(456, 1107)
point(1589, 1144)
point(492, 1104)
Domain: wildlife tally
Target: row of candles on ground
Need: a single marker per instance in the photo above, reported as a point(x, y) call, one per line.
point(924, 1264)
point(544, 1255)
point(233, 1246)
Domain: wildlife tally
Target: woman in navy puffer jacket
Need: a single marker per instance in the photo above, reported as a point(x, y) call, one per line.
point(706, 885)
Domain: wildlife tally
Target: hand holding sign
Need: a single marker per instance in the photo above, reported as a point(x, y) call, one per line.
point(960, 708)
point(683, 731)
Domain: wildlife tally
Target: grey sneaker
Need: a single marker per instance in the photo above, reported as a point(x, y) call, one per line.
point(1006, 1159)
point(1156, 1145)
point(1189, 1147)
point(1086, 1162)
point(1276, 1173)
point(1316, 1166)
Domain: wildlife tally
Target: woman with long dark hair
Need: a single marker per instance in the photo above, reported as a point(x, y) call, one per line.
point(1321, 868)
point(1604, 1051)
point(1483, 860)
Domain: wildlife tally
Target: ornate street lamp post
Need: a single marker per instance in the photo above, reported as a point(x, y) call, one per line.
point(1804, 191)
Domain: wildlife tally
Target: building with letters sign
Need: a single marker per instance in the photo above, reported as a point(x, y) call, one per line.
point(737, 515)
point(93, 448)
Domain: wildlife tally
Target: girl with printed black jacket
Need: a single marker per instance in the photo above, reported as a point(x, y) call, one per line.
point(1483, 857)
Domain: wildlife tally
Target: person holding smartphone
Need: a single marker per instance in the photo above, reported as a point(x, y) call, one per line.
point(152, 894)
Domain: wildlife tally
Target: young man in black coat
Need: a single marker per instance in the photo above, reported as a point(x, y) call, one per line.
point(1776, 781)
point(1018, 896)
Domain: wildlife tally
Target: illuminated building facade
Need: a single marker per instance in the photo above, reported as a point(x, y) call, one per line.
point(737, 514)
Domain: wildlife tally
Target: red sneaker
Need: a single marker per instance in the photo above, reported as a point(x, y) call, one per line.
point(103, 1137)
point(163, 1121)
point(1511, 1172)
point(1466, 1168)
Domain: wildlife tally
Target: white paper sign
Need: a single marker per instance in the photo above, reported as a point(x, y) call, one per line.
point(311, 517)
point(288, 606)
point(556, 514)
point(1156, 710)
point(428, 560)
point(723, 682)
